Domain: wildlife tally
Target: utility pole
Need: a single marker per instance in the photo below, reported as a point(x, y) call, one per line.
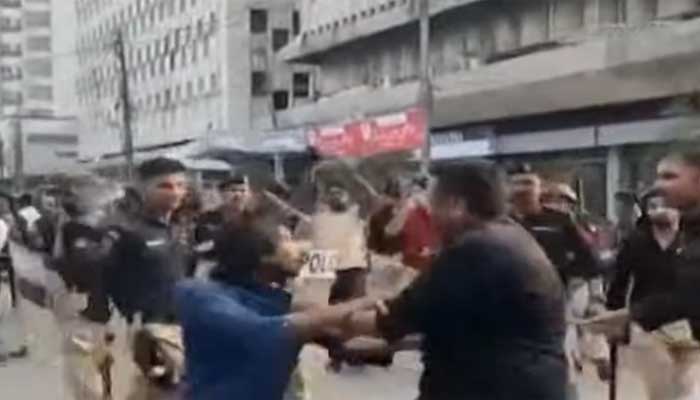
point(426, 87)
point(19, 152)
point(2, 158)
point(128, 144)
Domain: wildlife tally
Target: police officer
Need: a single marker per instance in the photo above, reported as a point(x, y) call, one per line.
point(78, 256)
point(555, 231)
point(566, 247)
point(82, 246)
point(146, 260)
point(674, 306)
point(236, 197)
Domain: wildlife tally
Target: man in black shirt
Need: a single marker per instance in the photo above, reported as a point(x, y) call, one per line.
point(490, 309)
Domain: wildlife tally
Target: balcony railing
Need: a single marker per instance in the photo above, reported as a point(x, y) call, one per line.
point(10, 3)
point(10, 51)
point(11, 98)
point(11, 76)
point(10, 26)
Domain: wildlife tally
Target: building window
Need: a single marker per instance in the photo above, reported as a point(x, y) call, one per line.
point(190, 90)
point(161, 11)
point(258, 21)
point(187, 35)
point(280, 99)
point(214, 82)
point(171, 8)
point(178, 93)
point(183, 57)
point(213, 21)
point(206, 46)
point(183, 5)
point(280, 38)
point(37, 19)
point(201, 85)
point(194, 52)
point(568, 16)
point(55, 139)
point(301, 82)
point(296, 23)
point(258, 59)
point(40, 92)
point(258, 85)
point(612, 12)
point(200, 27)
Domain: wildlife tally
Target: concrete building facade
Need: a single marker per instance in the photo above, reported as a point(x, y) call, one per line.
point(586, 83)
point(33, 140)
point(39, 146)
point(195, 69)
point(25, 57)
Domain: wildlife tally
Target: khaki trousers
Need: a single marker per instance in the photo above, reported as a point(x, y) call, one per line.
point(668, 370)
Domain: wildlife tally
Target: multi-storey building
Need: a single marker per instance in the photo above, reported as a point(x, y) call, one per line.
point(33, 141)
point(195, 68)
point(584, 85)
point(25, 56)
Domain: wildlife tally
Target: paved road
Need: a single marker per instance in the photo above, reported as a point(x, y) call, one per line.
point(41, 375)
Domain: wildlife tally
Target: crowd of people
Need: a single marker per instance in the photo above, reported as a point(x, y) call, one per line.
point(513, 291)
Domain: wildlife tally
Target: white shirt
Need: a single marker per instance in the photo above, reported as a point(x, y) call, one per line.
point(343, 233)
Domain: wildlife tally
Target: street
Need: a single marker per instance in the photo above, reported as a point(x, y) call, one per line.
point(41, 375)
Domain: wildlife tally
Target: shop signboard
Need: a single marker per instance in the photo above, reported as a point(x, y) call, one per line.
point(402, 131)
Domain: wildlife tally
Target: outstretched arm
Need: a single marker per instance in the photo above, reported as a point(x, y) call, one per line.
point(317, 322)
point(286, 207)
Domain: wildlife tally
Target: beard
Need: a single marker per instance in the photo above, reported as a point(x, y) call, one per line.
point(338, 206)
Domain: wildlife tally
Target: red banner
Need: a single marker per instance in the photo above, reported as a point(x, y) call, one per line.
point(403, 131)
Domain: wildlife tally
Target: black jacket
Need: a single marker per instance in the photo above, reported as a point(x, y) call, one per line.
point(561, 240)
point(683, 300)
point(641, 260)
point(143, 266)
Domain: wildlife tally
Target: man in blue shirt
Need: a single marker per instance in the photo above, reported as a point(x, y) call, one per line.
point(241, 340)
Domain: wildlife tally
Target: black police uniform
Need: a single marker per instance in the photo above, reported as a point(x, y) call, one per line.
point(81, 263)
point(145, 263)
point(558, 235)
point(682, 301)
point(208, 227)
